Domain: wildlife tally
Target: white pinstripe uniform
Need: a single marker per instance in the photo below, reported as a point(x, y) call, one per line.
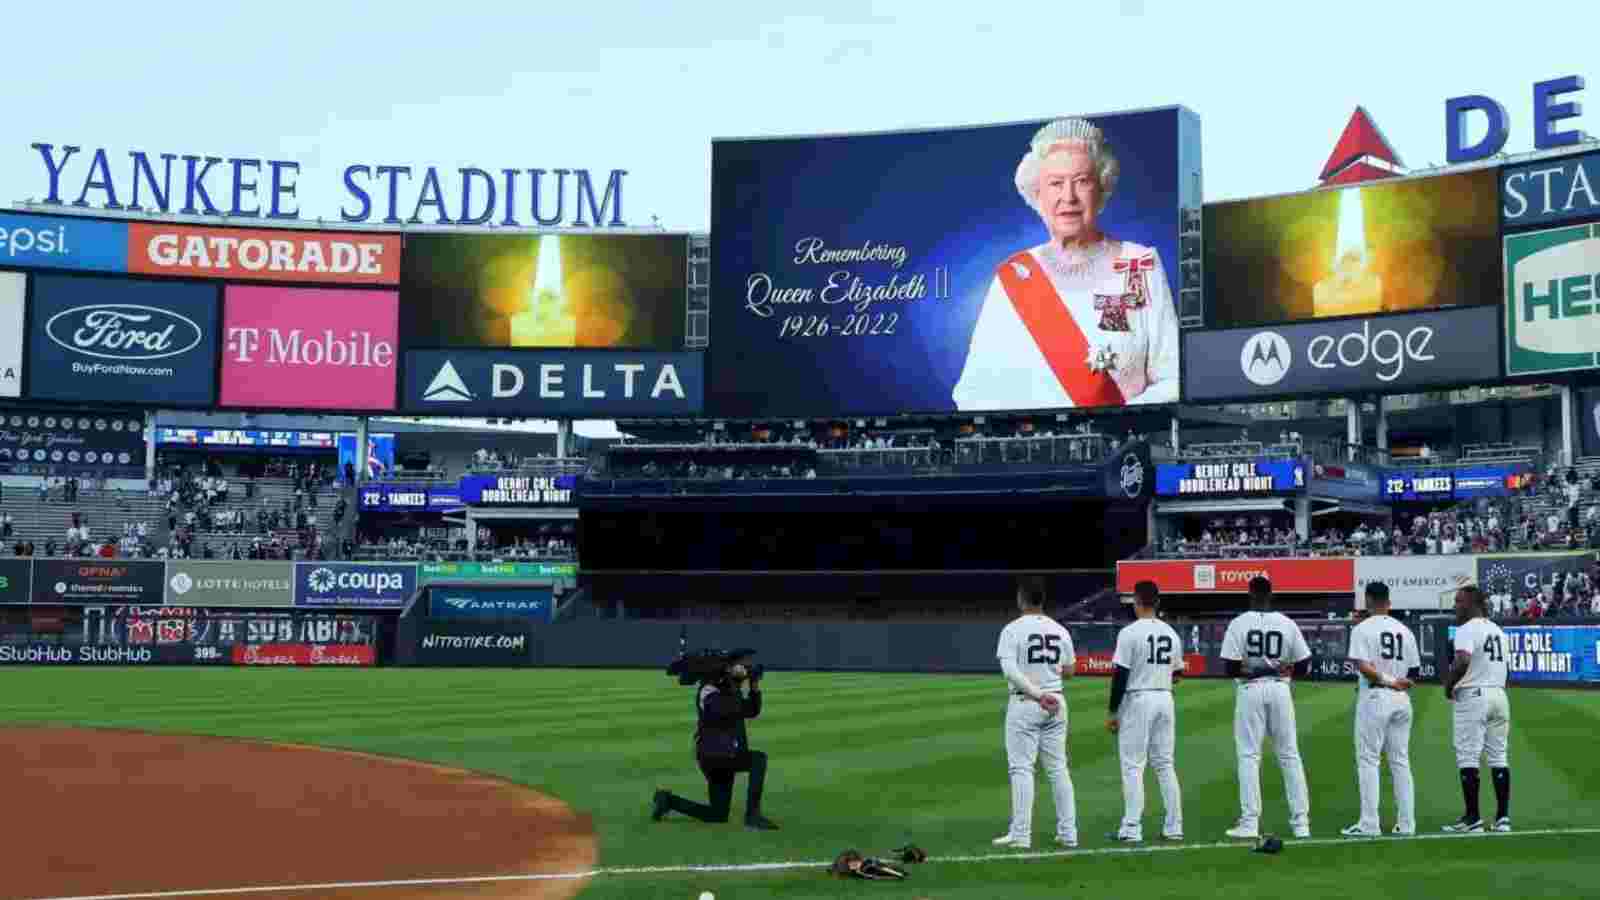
point(1265, 708)
point(1039, 647)
point(1147, 723)
point(1383, 720)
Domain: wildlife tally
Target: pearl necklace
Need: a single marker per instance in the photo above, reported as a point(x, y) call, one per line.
point(1079, 264)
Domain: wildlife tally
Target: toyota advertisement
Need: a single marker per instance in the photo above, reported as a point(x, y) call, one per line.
point(1232, 576)
point(1375, 354)
point(108, 340)
point(354, 585)
point(553, 383)
point(311, 348)
point(1388, 246)
point(924, 271)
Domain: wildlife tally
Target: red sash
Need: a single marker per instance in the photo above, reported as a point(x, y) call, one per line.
point(1056, 333)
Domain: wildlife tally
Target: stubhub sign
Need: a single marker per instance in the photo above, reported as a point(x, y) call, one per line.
point(554, 383)
point(63, 242)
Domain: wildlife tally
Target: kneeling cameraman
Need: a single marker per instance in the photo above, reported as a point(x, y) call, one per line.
point(721, 746)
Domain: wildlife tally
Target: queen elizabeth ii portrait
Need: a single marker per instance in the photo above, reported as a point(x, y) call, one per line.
point(1083, 319)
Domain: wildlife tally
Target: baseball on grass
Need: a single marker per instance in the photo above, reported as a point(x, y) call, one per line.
point(707, 895)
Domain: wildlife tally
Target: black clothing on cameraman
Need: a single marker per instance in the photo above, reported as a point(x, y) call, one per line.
point(722, 749)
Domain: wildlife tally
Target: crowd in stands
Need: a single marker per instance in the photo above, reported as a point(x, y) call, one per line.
point(198, 502)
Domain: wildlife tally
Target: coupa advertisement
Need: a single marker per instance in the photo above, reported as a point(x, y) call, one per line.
point(354, 585)
point(107, 340)
point(1041, 274)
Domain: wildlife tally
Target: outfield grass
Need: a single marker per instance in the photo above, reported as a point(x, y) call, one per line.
point(872, 761)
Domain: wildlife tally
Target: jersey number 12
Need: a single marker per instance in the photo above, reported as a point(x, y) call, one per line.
point(1160, 650)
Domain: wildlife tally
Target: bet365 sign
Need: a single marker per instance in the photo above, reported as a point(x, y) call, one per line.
point(1553, 300)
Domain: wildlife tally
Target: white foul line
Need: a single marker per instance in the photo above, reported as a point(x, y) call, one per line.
point(783, 866)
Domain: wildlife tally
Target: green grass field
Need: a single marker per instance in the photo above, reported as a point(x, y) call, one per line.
point(871, 761)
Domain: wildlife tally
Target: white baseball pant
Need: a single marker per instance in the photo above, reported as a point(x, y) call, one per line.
point(1383, 727)
point(1265, 708)
point(1146, 729)
point(1032, 734)
point(1482, 725)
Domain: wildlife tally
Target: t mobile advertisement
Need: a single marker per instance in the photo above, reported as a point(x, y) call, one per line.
point(309, 348)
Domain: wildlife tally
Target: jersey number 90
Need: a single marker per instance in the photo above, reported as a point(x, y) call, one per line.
point(1267, 644)
point(1044, 649)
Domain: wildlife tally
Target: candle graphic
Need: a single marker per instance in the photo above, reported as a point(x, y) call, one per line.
point(548, 320)
point(1352, 288)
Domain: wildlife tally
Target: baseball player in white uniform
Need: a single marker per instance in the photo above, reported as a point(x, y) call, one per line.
point(1149, 656)
point(1476, 686)
point(1386, 656)
point(1035, 654)
point(1262, 650)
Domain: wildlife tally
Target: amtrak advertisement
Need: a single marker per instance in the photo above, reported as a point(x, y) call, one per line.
point(1032, 265)
point(1369, 354)
point(107, 340)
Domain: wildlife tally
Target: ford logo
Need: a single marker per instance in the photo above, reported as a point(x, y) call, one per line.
point(123, 331)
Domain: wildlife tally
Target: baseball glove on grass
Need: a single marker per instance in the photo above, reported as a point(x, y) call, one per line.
point(911, 853)
point(851, 864)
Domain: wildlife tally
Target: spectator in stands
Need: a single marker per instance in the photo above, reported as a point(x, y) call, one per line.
point(6, 525)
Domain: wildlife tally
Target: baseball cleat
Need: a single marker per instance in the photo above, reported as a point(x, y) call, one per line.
point(1068, 843)
point(660, 806)
point(1172, 836)
point(1356, 831)
point(1006, 840)
point(1303, 832)
point(1117, 837)
point(1503, 824)
point(1465, 826)
point(1244, 833)
point(759, 822)
point(1405, 832)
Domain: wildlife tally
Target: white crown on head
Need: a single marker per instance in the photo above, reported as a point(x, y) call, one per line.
point(1063, 131)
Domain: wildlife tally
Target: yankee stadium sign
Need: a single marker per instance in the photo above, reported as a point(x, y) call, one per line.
point(198, 184)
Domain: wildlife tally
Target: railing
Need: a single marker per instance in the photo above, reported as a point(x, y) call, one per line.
point(1063, 449)
point(82, 473)
point(1500, 453)
point(563, 466)
point(1292, 449)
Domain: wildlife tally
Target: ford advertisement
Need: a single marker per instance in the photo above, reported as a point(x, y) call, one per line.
point(106, 340)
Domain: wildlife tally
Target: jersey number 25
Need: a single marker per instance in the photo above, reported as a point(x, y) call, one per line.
point(1044, 649)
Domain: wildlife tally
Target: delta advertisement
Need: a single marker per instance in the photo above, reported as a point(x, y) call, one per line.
point(63, 242)
point(188, 251)
point(1240, 478)
point(1041, 274)
point(1387, 354)
point(309, 348)
point(70, 442)
point(13, 300)
point(354, 585)
point(109, 340)
point(554, 383)
point(1552, 296)
point(1396, 245)
point(480, 291)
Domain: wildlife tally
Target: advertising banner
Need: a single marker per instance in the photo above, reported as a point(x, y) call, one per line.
point(1551, 297)
point(194, 251)
point(1416, 582)
point(1396, 245)
point(246, 437)
point(1491, 481)
point(16, 581)
point(1375, 354)
point(13, 298)
point(61, 242)
point(379, 459)
point(107, 340)
point(1349, 481)
point(553, 383)
point(408, 498)
point(1232, 576)
point(47, 654)
point(473, 644)
point(1551, 190)
point(65, 441)
point(304, 655)
point(517, 490)
point(1101, 663)
point(495, 572)
point(846, 286)
point(1518, 574)
point(73, 581)
point(230, 583)
point(1553, 653)
point(309, 348)
point(355, 585)
point(1419, 485)
point(1238, 478)
point(448, 602)
point(488, 291)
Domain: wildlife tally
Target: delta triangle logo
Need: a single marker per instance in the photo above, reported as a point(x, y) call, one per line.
point(447, 387)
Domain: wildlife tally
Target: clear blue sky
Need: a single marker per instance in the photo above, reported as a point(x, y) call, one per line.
point(646, 86)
